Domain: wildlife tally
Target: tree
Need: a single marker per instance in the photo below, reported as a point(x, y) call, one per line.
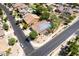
point(33, 35)
point(11, 41)
point(38, 9)
point(55, 25)
point(9, 5)
point(77, 38)
point(5, 19)
point(69, 42)
point(45, 15)
point(55, 21)
point(64, 51)
point(53, 17)
point(17, 22)
point(25, 26)
point(71, 17)
point(5, 26)
point(74, 49)
point(49, 7)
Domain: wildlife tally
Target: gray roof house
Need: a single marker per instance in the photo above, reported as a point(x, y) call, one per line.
point(41, 26)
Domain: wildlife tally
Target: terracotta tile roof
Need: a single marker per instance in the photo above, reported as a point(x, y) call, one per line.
point(19, 5)
point(31, 18)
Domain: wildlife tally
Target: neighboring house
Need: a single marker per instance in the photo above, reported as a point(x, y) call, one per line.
point(61, 8)
point(68, 9)
point(30, 19)
point(23, 8)
point(64, 9)
point(19, 6)
point(41, 27)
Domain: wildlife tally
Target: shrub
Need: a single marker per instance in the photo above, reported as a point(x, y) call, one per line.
point(71, 17)
point(33, 34)
point(45, 15)
point(25, 26)
point(11, 41)
point(8, 51)
point(5, 19)
point(38, 9)
point(5, 26)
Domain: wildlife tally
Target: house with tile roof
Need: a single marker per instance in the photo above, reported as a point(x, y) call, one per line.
point(30, 19)
point(19, 6)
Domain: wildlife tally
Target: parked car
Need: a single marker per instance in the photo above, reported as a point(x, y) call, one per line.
point(27, 39)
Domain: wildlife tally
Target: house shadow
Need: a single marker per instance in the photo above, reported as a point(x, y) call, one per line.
point(26, 46)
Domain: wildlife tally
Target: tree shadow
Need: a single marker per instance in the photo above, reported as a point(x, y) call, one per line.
point(64, 51)
point(26, 46)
